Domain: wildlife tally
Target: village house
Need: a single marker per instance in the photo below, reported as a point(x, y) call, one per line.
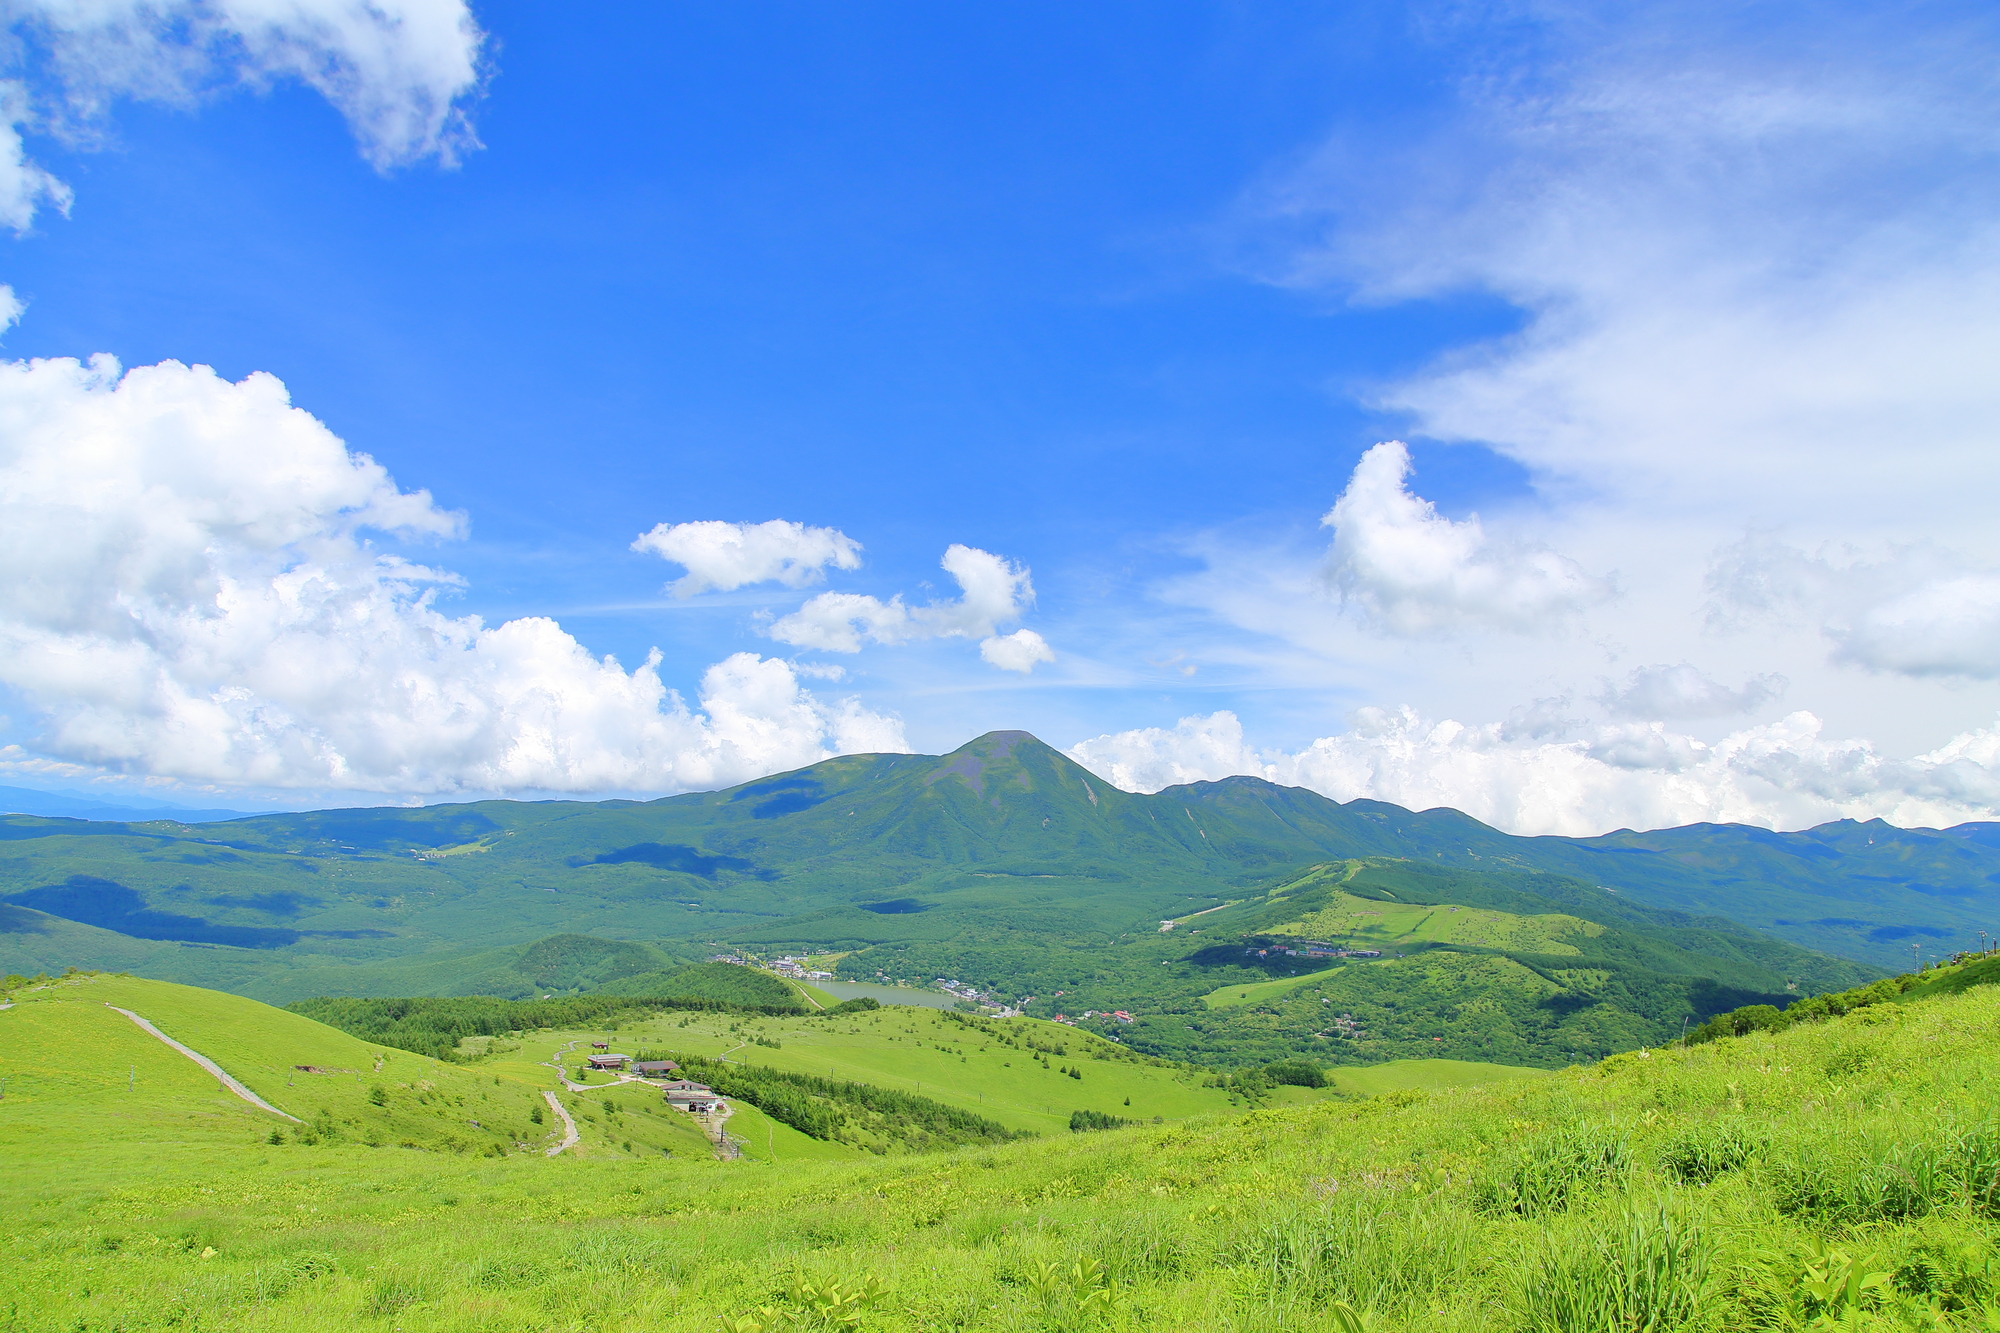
point(609, 1061)
point(654, 1068)
point(686, 1095)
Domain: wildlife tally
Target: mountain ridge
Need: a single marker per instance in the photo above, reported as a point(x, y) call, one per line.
point(1002, 837)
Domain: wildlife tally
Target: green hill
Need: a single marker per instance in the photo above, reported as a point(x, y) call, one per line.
point(1004, 865)
point(1842, 1173)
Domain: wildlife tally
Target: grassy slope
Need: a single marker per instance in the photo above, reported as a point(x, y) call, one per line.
point(921, 1050)
point(1405, 1075)
point(1368, 923)
point(1241, 1221)
point(426, 1103)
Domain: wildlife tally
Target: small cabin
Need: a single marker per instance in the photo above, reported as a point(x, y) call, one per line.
point(600, 1046)
point(685, 1095)
point(608, 1061)
point(654, 1068)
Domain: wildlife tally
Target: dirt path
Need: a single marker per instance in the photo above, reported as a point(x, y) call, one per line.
point(569, 1126)
point(800, 987)
point(555, 1062)
point(210, 1066)
point(727, 1149)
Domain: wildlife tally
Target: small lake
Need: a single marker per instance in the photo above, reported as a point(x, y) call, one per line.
point(854, 990)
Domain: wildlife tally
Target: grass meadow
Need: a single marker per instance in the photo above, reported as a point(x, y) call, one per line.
point(1843, 1174)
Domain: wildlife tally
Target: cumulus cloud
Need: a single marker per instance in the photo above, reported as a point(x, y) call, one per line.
point(1782, 775)
point(1019, 651)
point(993, 592)
point(1748, 256)
point(723, 556)
point(400, 71)
point(188, 589)
point(1409, 570)
point(1921, 611)
point(1682, 692)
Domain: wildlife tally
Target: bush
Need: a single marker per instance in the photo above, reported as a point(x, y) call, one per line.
point(1080, 1121)
point(1296, 1073)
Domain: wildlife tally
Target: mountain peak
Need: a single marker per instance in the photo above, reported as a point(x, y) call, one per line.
point(983, 758)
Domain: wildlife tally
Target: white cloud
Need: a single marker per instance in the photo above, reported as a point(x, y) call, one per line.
point(187, 590)
point(400, 71)
point(24, 187)
point(1684, 692)
point(1409, 570)
point(1921, 611)
point(1757, 262)
point(993, 592)
point(1781, 775)
point(723, 556)
point(1019, 651)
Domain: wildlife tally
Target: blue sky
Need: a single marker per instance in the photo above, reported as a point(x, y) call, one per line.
point(1679, 312)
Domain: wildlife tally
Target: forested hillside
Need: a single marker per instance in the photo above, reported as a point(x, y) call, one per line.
point(1002, 863)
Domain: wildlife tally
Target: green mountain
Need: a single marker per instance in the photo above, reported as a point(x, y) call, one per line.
point(1003, 863)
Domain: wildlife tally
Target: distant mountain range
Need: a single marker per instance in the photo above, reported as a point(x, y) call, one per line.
point(1004, 863)
point(82, 805)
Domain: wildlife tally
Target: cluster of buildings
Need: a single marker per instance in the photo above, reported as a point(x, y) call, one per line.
point(788, 966)
point(1115, 1015)
point(681, 1094)
point(1344, 1026)
point(1313, 949)
point(986, 1000)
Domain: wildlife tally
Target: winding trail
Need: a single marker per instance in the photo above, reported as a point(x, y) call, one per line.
point(569, 1126)
point(211, 1067)
point(555, 1062)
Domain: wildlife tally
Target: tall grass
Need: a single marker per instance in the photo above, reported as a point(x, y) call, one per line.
point(1837, 1174)
point(1643, 1270)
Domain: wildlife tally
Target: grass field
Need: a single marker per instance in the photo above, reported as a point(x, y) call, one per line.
point(1425, 1075)
point(1371, 924)
point(1840, 1174)
point(925, 1051)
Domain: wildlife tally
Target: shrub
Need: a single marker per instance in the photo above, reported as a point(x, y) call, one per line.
point(1080, 1121)
point(1296, 1073)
